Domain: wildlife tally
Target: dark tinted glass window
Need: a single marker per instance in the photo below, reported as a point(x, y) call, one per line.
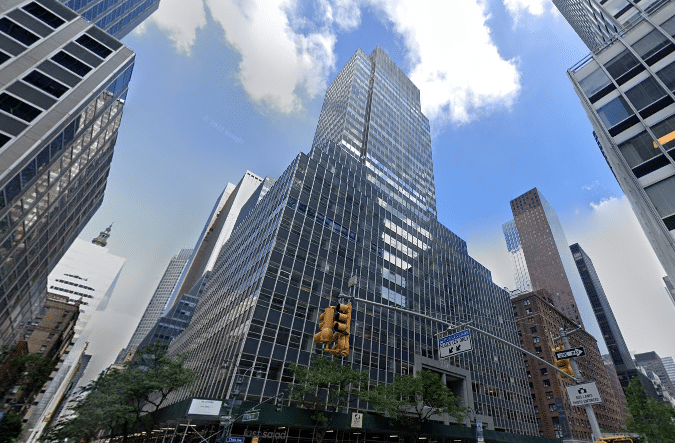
point(71, 63)
point(669, 26)
point(638, 149)
point(43, 157)
point(94, 46)
point(645, 93)
point(594, 82)
point(3, 57)
point(621, 64)
point(13, 188)
point(18, 108)
point(667, 76)
point(4, 139)
point(650, 44)
point(662, 195)
point(17, 32)
point(614, 112)
point(28, 172)
point(47, 84)
point(44, 15)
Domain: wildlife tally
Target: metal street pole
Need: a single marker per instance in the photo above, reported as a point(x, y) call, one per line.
point(595, 429)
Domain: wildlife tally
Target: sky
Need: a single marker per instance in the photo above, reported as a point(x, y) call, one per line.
point(225, 86)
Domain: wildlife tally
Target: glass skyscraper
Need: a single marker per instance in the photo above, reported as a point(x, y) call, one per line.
point(117, 17)
point(626, 87)
point(361, 203)
point(63, 83)
point(623, 362)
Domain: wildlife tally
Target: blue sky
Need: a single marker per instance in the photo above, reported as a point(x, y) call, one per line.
point(222, 86)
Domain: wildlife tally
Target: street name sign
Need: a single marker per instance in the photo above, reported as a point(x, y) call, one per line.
point(250, 416)
point(584, 394)
point(570, 353)
point(454, 344)
point(234, 440)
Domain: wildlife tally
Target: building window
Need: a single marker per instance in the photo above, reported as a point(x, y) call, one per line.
point(16, 107)
point(528, 311)
point(549, 394)
point(17, 32)
point(47, 84)
point(535, 339)
point(71, 63)
point(537, 349)
point(551, 407)
point(547, 383)
point(43, 15)
point(526, 301)
point(533, 329)
point(544, 371)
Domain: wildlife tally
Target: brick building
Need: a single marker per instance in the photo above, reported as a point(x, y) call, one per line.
point(539, 324)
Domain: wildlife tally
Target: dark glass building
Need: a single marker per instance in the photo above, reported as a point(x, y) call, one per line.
point(63, 83)
point(623, 363)
point(361, 203)
point(117, 17)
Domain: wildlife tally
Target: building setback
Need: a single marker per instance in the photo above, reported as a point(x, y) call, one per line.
point(538, 323)
point(626, 88)
point(669, 365)
point(549, 262)
point(361, 203)
point(63, 83)
point(623, 362)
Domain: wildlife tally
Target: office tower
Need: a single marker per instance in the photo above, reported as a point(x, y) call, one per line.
point(160, 297)
point(626, 87)
point(63, 83)
point(117, 17)
point(669, 365)
point(538, 323)
point(614, 380)
point(549, 262)
point(87, 273)
point(362, 203)
point(231, 207)
point(623, 362)
point(521, 275)
point(670, 288)
point(651, 362)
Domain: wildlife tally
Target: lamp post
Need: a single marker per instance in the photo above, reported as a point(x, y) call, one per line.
point(236, 390)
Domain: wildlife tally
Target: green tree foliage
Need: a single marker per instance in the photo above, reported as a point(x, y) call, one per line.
point(324, 387)
point(649, 418)
point(411, 400)
point(121, 401)
point(10, 427)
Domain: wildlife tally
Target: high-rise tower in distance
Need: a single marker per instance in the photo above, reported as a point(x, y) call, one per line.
point(63, 83)
point(361, 203)
point(626, 87)
point(549, 265)
point(117, 17)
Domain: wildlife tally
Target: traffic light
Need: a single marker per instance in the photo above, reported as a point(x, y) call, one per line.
point(341, 329)
point(325, 334)
point(565, 364)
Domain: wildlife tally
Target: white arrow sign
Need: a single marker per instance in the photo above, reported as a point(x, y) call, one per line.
point(567, 353)
point(455, 344)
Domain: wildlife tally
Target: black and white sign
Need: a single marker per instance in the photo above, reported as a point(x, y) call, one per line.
point(250, 416)
point(584, 394)
point(454, 344)
point(357, 420)
point(205, 407)
point(570, 353)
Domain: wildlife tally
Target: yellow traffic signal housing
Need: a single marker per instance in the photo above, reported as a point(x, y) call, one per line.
point(325, 334)
point(343, 320)
point(565, 364)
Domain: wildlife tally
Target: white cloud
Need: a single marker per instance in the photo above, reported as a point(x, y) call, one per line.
point(286, 55)
point(455, 63)
point(533, 7)
point(180, 20)
point(275, 60)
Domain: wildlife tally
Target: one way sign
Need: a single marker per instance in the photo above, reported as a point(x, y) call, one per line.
point(570, 353)
point(455, 344)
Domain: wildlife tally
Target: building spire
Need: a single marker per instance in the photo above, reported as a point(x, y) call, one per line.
point(102, 239)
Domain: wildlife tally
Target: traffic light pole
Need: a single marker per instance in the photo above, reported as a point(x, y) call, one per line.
point(453, 326)
point(595, 428)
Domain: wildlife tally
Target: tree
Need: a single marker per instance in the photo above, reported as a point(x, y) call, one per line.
point(411, 400)
point(649, 418)
point(10, 427)
point(120, 401)
point(324, 387)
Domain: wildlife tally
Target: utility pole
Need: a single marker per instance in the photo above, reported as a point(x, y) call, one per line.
point(595, 429)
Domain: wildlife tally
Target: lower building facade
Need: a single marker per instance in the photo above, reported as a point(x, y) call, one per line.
point(538, 323)
point(322, 222)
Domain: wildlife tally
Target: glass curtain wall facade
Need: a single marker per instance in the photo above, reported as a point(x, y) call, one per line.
point(521, 275)
point(623, 362)
point(117, 17)
point(348, 210)
point(626, 88)
point(63, 86)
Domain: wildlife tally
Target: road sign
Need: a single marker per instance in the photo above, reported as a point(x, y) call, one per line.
point(234, 440)
point(570, 353)
point(584, 394)
point(454, 344)
point(250, 416)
